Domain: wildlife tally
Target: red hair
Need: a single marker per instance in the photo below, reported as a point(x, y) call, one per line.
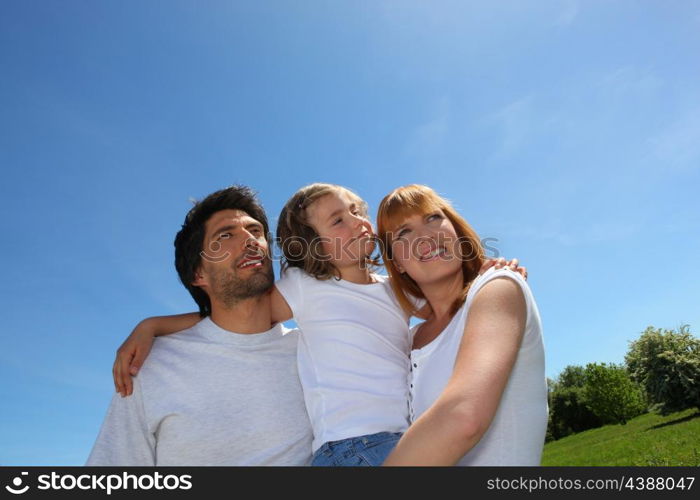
point(404, 202)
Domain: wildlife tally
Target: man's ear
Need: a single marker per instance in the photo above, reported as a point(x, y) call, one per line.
point(199, 278)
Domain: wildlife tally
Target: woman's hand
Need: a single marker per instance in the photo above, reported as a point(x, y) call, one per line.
point(131, 355)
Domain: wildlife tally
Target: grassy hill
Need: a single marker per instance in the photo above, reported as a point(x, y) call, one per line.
point(646, 440)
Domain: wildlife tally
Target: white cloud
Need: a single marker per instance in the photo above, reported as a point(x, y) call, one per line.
point(570, 233)
point(630, 81)
point(515, 120)
point(679, 145)
point(568, 14)
point(428, 139)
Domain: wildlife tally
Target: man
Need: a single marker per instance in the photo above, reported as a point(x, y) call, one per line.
point(226, 391)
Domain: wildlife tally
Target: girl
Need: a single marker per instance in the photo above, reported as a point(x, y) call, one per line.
point(478, 389)
point(353, 352)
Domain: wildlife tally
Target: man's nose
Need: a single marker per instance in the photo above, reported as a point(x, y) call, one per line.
point(251, 242)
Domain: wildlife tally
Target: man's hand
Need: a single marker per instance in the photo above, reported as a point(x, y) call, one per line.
point(130, 357)
point(501, 263)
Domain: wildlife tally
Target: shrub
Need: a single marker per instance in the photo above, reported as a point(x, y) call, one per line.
point(667, 364)
point(611, 395)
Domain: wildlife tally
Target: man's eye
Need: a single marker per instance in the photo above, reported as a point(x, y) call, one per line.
point(224, 236)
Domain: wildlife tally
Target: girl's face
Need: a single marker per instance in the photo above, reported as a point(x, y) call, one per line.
point(347, 236)
point(427, 247)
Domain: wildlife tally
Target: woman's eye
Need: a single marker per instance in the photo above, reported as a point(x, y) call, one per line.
point(337, 221)
point(401, 233)
point(433, 217)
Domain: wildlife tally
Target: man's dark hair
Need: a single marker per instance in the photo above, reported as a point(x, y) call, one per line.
point(190, 239)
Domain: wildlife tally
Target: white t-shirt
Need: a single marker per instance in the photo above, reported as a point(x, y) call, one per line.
point(207, 396)
point(353, 355)
point(516, 435)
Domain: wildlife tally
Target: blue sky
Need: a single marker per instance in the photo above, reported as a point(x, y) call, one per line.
point(567, 130)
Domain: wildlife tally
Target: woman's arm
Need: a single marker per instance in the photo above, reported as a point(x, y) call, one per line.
point(463, 412)
point(132, 353)
point(425, 310)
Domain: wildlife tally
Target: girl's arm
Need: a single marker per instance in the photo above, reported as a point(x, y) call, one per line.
point(500, 263)
point(463, 412)
point(132, 353)
point(279, 308)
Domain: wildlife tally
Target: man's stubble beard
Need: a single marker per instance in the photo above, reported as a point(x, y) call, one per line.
point(230, 289)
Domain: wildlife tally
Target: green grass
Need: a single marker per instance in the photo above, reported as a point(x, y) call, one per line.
point(644, 441)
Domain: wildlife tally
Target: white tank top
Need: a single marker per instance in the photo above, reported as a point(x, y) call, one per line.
point(353, 355)
point(516, 435)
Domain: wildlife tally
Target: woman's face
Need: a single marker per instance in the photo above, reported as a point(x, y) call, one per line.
point(426, 247)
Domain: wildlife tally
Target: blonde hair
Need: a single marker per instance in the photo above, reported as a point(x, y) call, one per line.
point(299, 241)
point(404, 202)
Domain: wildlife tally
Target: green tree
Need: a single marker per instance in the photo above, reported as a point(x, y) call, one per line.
point(667, 364)
point(568, 409)
point(610, 393)
point(572, 376)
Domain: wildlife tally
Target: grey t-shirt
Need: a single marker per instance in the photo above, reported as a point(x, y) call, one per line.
point(207, 396)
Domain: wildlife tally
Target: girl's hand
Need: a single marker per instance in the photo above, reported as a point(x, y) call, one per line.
point(135, 349)
point(130, 357)
point(501, 263)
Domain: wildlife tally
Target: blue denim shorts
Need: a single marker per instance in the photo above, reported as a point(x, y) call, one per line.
point(362, 451)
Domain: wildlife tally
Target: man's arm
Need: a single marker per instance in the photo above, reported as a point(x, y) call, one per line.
point(125, 438)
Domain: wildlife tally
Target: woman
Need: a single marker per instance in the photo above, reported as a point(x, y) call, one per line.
point(478, 390)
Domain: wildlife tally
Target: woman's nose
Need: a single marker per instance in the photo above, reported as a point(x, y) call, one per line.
point(425, 240)
point(423, 243)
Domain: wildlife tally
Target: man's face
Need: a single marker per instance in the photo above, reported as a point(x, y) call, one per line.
point(236, 264)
